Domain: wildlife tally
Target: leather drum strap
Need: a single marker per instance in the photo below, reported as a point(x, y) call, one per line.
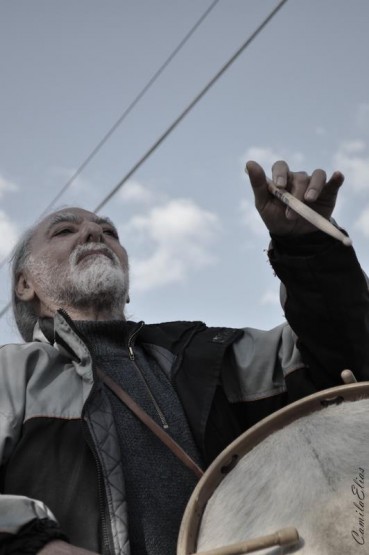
point(150, 423)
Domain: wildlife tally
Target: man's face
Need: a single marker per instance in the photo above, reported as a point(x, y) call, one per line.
point(77, 260)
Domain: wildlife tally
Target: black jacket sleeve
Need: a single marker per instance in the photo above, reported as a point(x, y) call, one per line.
point(31, 538)
point(327, 305)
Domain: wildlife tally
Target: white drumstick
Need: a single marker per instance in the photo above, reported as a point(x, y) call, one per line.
point(284, 537)
point(308, 213)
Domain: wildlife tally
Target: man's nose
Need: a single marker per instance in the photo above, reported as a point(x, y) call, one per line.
point(92, 233)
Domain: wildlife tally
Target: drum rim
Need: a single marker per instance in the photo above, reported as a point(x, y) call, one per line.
point(227, 459)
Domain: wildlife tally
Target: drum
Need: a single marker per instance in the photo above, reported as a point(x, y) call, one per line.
point(306, 466)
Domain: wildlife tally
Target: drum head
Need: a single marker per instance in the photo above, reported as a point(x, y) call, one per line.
point(226, 464)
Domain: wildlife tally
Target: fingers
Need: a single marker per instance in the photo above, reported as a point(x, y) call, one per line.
point(319, 187)
point(296, 182)
point(306, 188)
point(329, 192)
point(316, 184)
point(336, 180)
point(280, 173)
point(299, 184)
point(256, 172)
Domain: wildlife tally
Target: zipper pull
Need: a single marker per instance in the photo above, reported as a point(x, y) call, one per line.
point(132, 339)
point(131, 353)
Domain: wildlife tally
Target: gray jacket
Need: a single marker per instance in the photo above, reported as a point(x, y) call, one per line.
point(43, 382)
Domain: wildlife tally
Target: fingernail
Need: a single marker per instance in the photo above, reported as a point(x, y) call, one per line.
point(290, 214)
point(280, 181)
point(311, 194)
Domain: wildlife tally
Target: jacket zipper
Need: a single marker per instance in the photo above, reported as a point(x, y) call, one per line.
point(106, 542)
point(132, 357)
point(106, 546)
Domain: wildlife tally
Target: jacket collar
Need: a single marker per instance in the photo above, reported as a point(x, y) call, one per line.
point(60, 333)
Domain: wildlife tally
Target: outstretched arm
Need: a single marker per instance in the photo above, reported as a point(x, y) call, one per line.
point(327, 301)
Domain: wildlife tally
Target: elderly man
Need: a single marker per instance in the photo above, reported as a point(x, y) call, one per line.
point(80, 472)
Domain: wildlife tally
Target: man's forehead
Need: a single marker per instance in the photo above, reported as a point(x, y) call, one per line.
point(73, 215)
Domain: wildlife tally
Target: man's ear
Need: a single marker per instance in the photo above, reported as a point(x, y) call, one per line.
point(24, 288)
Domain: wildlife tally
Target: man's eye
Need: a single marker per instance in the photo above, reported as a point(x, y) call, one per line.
point(63, 231)
point(111, 232)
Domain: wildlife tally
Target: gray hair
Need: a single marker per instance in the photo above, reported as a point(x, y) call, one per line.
point(24, 313)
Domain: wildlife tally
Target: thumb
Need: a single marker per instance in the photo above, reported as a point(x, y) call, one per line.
point(258, 183)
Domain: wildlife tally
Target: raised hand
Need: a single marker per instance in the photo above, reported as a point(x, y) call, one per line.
point(314, 190)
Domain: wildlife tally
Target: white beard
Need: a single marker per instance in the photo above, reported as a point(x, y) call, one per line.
point(98, 280)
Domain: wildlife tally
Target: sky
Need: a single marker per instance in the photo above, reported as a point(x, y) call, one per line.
point(197, 247)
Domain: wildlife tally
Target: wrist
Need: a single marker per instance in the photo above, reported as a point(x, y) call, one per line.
point(307, 244)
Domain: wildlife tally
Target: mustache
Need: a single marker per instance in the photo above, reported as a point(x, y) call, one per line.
point(83, 250)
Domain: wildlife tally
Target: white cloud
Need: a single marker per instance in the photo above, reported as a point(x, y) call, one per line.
point(83, 190)
point(263, 155)
point(353, 147)
point(79, 183)
point(362, 117)
point(352, 159)
point(133, 191)
point(251, 218)
point(6, 185)
point(182, 233)
point(270, 297)
point(362, 222)
point(8, 234)
point(266, 156)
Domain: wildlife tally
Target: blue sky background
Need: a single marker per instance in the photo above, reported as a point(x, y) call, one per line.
point(299, 92)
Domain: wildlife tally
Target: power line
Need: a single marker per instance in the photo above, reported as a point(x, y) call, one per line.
point(183, 114)
point(121, 118)
point(4, 310)
point(131, 106)
point(126, 112)
point(190, 106)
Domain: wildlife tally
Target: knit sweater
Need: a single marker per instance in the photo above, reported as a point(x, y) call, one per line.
point(158, 485)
